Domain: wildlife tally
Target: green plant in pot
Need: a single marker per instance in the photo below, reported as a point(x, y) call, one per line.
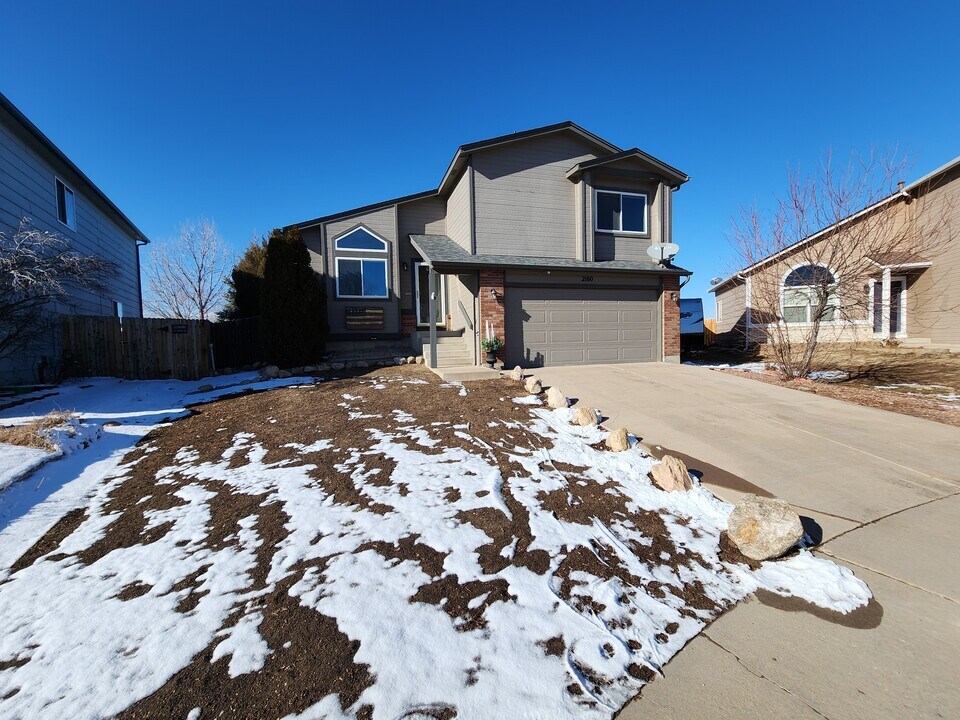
point(491, 346)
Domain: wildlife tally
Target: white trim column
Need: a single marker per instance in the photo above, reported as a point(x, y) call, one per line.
point(748, 301)
point(885, 307)
point(432, 289)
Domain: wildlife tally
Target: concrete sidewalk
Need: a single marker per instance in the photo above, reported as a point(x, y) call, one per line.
point(884, 490)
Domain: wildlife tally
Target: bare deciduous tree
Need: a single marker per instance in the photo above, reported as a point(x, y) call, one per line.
point(38, 269)
point(186, 275)
point(813, 259)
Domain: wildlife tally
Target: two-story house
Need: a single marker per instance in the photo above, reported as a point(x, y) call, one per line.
point(539, 238)
point(39, 184)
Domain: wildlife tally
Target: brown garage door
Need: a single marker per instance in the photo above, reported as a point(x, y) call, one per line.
point(577, 326)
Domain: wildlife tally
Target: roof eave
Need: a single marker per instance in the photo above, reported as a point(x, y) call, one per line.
point(49, 145)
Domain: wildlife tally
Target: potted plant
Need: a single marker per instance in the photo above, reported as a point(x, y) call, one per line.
point(491, 346)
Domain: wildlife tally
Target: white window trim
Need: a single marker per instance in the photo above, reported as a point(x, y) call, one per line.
point(903, 306)
point(809, 323)
point(56, 202)
point(362, 261)
point(441, 290)
point(336, 241)
point(719, 310)
point(646, 213)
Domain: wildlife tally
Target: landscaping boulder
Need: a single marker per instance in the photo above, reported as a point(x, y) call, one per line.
point(763, 528)
point(516, 373)
point(284, 374)
point(618, 440)
point(323, 367)
point(584, 417)
point(337, 366)
point(397, 360)
point(670, 474)
point(205, 388)
point(271, 371)
point(533, 385)
point(556, 398)
point(420, 360)
point(411, 360)
point(362, 364)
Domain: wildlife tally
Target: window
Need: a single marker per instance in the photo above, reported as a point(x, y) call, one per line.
point(361, 277)
point(361, 240)
point(801, 294)
point(621, 212)
point(719, 310)
point(66, 206)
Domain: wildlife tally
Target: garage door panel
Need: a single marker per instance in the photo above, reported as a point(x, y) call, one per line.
point(572, 326)
point(567, 337)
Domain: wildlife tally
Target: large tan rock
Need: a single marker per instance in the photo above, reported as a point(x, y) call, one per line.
point(618, 440)
point(556, 398)
point(763, 528)
point(670, 474)
point(533, 385)
point(584, 416)
point(516, 373)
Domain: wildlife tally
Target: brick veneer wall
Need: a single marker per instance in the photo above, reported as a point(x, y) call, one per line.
point(491, 310)
point(408, 321)
point(671, 318)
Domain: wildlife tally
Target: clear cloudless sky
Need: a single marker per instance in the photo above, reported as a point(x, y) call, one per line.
point(262, 114)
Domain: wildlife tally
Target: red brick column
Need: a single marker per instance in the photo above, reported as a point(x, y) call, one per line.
point(671, 318)
point(491, 308)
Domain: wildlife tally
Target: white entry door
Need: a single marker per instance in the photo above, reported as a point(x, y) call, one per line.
point(421, 284)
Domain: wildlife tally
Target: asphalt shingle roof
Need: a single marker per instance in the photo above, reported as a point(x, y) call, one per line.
point(443, 253)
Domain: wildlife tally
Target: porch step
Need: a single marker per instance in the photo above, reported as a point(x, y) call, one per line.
point(451, 352)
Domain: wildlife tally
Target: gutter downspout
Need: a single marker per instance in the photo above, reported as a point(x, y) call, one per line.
point(748, 301)
point(138, 244)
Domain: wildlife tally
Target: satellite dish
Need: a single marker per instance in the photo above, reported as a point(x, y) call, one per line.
point(663, 251)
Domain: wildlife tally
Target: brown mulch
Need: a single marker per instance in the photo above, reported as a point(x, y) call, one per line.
point(310, 658)
point(921, 406)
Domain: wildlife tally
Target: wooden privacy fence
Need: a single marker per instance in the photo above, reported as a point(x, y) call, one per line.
point(136, 348)
point(709, 331)
point(236, 342)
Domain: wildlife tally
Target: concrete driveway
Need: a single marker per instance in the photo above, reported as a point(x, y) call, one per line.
point(884, 490)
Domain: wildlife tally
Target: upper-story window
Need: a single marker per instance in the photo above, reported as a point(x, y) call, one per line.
point(361, 277)
point(66, 205)
point(621, 212)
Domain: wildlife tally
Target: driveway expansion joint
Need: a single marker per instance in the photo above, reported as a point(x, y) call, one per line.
point(921, 588)
point(888, 515)
point(761, 676)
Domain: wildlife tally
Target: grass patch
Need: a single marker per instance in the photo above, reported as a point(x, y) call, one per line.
point(34, 433)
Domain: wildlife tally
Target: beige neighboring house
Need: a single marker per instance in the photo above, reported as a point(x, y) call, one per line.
point(539, 238)
point(908, 296)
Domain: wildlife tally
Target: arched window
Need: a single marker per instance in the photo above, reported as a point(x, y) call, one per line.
point(803, 288)
point(361, 240)
point(361, 277)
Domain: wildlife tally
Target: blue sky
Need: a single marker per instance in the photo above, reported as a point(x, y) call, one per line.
point(262, 114)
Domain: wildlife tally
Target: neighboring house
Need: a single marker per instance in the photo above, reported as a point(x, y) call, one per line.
point(538, 238)
point(39, 184)
point(908, 295)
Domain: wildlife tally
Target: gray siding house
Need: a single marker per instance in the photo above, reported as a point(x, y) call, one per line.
point(539, 238)
point(40, 185)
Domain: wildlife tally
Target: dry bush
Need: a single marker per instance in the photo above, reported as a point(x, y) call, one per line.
point(34, 433)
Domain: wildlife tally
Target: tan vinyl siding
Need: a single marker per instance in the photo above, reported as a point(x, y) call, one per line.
point(933, 299)
point(421, 217)
point(525, 205)
point(383, 222)
point(458, 225)
point(732, 323)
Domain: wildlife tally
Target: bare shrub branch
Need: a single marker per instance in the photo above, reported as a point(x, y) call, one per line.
point(38, 271)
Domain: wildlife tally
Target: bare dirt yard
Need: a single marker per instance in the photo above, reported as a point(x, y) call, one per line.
point(911, 381)
point(384, 546)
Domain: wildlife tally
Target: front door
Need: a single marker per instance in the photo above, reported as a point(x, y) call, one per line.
point(421, 282)
point(897, 293)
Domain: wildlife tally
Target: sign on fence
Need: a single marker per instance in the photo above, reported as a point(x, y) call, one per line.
point(136, 349)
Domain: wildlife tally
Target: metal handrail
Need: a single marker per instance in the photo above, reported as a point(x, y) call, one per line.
point(466, 318)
